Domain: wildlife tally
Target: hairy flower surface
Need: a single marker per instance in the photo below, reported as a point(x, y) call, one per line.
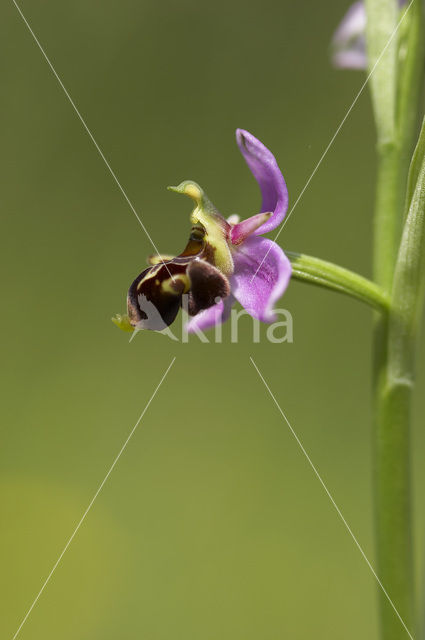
point(224, 260)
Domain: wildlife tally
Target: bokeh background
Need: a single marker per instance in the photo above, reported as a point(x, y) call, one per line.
point(212, 525)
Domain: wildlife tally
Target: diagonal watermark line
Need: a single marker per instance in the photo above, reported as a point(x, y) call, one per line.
point(341, 124)
point(92, 138)
point(111, 468)
point(319, 477)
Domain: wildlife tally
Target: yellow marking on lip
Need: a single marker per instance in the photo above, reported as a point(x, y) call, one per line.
point(171, 286)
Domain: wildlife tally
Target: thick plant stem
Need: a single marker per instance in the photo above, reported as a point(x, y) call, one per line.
point(391, 423)
point(393, 516)
point(394, 96)
point(393, 443)
point(391, 436)
point(390, 194)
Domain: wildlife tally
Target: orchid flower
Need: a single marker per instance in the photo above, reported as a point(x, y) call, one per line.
point(224, 260)
point(349, 40)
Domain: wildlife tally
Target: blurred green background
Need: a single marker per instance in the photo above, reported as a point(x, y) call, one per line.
point(212, 525)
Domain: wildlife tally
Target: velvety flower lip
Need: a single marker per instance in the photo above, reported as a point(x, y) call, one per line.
point(224, 260)
point(216, 314)
point(156, 295)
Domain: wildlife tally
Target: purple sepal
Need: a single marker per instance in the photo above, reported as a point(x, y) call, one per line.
point(265, 170)
point(258, 291)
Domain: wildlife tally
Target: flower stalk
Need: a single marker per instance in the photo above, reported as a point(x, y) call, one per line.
point(394, 86)
point(331, 276)
point(393, 444)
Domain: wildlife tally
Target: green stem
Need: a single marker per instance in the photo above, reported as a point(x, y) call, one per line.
point(391, 436)
point(331, 276)
point(390, 194)
point(391, 430)
point(395, 90)
point(407, 301)
point(411, 70)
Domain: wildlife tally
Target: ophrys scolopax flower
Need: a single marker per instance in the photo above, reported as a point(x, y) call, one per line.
point(224, 260)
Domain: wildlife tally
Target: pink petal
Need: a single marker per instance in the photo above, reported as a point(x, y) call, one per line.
point(243, 229)
point(264, 168)
point(258, 292)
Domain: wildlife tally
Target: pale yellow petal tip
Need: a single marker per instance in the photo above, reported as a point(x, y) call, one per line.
point(189, 188)
point(123, 322)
